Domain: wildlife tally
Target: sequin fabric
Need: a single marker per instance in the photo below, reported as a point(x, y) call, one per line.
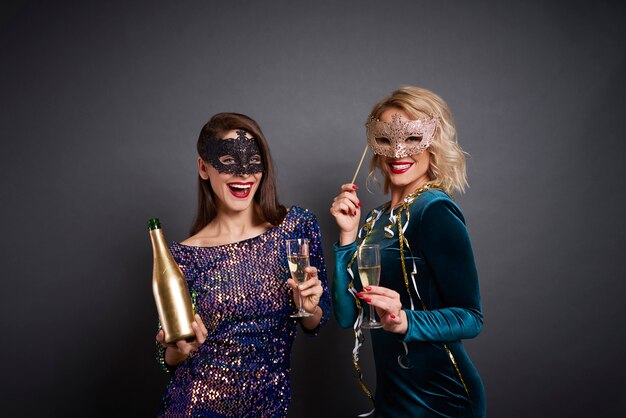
point(241, 291)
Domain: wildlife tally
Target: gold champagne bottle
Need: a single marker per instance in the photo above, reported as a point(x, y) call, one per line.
point(170, 290)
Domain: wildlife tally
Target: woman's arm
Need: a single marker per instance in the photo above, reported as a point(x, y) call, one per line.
point(445, 244)
point(321, 310)
point(343, 302)
point(346, 209)
point(172, 354)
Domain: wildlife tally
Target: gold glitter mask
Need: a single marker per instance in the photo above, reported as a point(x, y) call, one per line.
point(400, 138)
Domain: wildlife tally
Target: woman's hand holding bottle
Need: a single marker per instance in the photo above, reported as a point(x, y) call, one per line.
point(177, 352)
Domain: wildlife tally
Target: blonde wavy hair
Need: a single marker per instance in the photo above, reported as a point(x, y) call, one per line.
point(447, 159)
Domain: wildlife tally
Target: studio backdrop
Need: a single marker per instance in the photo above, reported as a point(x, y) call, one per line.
point(100, 107)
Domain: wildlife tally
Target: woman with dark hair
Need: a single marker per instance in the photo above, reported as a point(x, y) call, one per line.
point(236, 268)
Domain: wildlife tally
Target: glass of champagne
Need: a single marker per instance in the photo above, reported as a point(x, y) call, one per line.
point(298, 260)
point(369, 271)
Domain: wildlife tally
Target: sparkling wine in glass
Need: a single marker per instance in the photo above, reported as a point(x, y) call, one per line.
point(298, 260)
point(368, 258)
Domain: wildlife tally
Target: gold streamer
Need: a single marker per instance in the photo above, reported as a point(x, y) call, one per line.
point(402, 239)
point(404, 206)
point(358, 335)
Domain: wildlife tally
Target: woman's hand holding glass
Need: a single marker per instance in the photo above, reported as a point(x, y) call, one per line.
point(368, 258)
point(179, 350)
point(307, 289)
point(346, 209)
point(388, 307)
point(311, 290)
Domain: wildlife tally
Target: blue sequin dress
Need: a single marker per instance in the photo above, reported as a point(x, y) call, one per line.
point(241, 292)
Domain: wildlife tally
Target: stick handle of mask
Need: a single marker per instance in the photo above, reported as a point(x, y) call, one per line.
point(359, 167)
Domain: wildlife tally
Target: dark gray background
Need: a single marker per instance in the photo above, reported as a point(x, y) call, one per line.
point(100, 107)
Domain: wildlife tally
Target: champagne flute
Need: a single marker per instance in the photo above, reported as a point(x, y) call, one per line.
point(369, 271)
point(298, 260)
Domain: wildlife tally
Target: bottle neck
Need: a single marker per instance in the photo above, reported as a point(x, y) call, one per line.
point(159, 246)
point(154, 223)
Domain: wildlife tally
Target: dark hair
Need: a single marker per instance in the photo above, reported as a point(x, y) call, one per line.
point(266, 196)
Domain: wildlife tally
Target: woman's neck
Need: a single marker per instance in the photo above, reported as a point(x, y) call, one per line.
point(236, 224)
point(398, 193)
point(228, 227)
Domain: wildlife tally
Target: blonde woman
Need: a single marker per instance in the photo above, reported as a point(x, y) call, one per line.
point(428, 299)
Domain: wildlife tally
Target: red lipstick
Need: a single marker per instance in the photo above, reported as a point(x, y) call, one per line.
point(399, 167)
point(240, 190)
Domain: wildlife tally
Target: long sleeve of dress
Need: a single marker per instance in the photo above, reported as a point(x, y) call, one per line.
point(445, 245)
point(311, 230)
point(343, 302)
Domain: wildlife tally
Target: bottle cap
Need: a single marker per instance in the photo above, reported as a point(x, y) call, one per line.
point(154, 224)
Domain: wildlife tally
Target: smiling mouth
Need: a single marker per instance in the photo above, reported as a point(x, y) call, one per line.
point(399, 167)
point(240, 190)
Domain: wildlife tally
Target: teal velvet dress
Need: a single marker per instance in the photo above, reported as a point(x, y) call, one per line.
point(425, 372)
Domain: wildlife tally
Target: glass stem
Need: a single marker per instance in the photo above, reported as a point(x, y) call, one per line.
point(372, 319)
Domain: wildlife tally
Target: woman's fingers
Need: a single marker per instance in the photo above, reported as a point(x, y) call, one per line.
point(394, 323)
point(345, 206)
point(388, 306)
point(349, 196)
point(312, 281)
point(346, 202)
point(310, 290)
point(201, 324)
point(382, 302)
point(313, 288)
point(200, 335)
point(346, 211)
point(311, 277)
point(382, 291)
point(393, 318)
point(183, 346)
point(292, 283)
point(200, 330)
point(382, 298)
point(311, 272)
point(349, 187)
point(160, 337)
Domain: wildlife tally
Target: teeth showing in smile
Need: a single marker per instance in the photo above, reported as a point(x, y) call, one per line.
point(401, 166)
point(242, 187)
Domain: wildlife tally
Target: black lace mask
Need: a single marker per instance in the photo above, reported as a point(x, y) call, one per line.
point(244, 155)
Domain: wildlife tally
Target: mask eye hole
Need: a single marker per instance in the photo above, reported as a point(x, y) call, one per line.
point(227, 160)
point(255, 159)
point(414, 139)
point(382, 141)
